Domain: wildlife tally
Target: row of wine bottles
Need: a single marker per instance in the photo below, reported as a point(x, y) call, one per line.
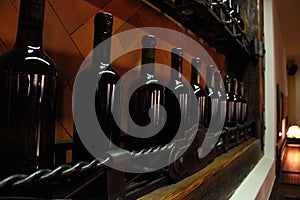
point(210, 102)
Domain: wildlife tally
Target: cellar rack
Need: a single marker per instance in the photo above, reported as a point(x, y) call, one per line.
point(97, 181)
point(207, 23)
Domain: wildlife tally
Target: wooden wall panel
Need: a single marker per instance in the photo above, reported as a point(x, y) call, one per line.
point(59, 45)
point(83, 37)
point(8, 23)
point(64, 115)
point(3, 48)
point(16, 4)
point(123, 9)
point(73, 13)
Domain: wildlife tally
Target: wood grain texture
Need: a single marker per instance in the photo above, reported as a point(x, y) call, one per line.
point(207, 183)
point(60, 46)
point(8, 23)
point(3, 48)
point(73, 13)
point(64, 116)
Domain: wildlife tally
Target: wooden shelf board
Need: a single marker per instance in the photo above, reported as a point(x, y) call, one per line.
point(182, 189)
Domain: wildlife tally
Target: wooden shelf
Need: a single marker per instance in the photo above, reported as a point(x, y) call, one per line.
point(197, 16)
point(227, 170)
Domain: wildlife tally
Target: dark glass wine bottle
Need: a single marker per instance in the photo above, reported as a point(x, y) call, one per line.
point(28, 87)
point(222, 98)
point(105, 98)
point(229, 120)
point(238, 103)
point(144, 97)
point(199, 91)
point(244, 102)
point(177, 101)
point(213, 98)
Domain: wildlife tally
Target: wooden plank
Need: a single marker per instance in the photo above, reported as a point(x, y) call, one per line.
point(16, 4)
point(73, 13)
point(59, 45)
point(122, 9)
point(143, 17)
point(8, 23)
point(3, 48)
point(64, 115)
point(228, 170)
point(83, 37)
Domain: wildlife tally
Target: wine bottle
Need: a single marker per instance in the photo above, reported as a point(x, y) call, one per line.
point(213, 98)
point(149, 94)
point(199, 91)
point(105, 98)
point(244, 102)
point(177, 103)
point(28, 87)
point(229, 120)
point(238, 103)
point(222, 98)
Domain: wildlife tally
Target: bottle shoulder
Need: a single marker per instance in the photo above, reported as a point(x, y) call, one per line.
point(146, 82)
point(28, 60)
point(108, 75)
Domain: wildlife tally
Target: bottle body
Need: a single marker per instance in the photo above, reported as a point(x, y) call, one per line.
point(147, 96)
point(177, 100)
point(213, 98)
point(238, 103)
point(230, 111)
point(222, 98)
point(105, 100)
point(28, 87)
point(243, 102)
point(142, 100)
point(28, 100)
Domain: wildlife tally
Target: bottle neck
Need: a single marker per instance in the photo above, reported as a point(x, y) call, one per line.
point(241, 89)
point(176, 64)
point(148, 57)
point(211, 82)
point(228, 87)
point(235, 87)
point(218, 81)
point(103, 53)
point(210, 79)
point(30, 27)
point(195, 76)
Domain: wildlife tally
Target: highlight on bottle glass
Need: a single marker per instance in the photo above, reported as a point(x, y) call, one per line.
point(147, 97)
